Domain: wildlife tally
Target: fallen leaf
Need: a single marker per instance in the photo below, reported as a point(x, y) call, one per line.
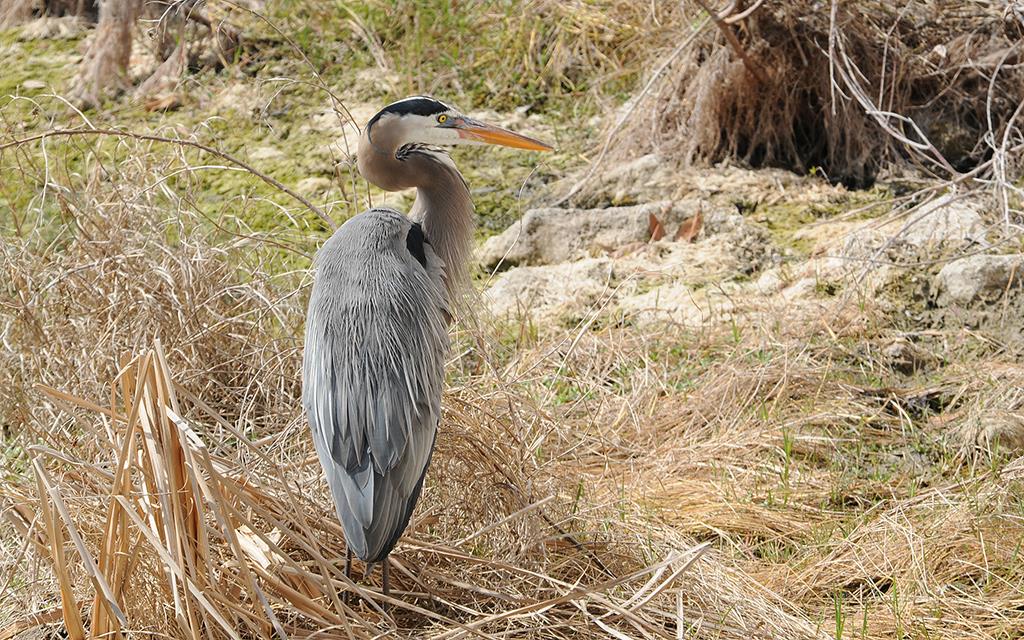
point(690, 229)
point(654, 228)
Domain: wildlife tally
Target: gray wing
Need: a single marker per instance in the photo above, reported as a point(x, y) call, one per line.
point(373, 370)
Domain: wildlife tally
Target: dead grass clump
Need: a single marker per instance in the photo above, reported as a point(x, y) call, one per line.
point(122, 276)
point(797, 86)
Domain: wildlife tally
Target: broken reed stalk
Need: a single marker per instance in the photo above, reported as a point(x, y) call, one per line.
point(69, 605)
point(161, 486)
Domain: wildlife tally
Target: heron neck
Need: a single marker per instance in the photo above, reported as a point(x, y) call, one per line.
point(443, 204)
point(445, 209)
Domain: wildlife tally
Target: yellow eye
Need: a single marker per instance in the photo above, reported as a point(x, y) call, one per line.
point(441, 119)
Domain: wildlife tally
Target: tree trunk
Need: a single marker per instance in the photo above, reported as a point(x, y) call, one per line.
point(105, 66)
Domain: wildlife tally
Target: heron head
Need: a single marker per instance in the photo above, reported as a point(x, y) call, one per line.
point(421, 120)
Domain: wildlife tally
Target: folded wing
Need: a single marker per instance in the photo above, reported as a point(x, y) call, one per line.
point(373, 370)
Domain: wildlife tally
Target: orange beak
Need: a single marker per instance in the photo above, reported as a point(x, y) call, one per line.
point(489, 134)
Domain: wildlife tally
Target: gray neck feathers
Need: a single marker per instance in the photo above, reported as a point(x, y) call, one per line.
point(444, 207)
point(443, 204)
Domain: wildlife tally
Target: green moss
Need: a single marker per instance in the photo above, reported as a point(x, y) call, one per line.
point(784, 219)
point(32, 68)
point(46, 61)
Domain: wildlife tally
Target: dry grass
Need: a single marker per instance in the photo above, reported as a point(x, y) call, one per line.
point(197, 489)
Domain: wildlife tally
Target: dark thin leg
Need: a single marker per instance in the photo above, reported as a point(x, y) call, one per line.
point(386, 575)
point(348, 574)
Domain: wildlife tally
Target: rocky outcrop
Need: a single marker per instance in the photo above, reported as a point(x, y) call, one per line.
point(551, 235)
point(548, 292)
point(870, 253)
point(947, 220)
point(562, 265)
point(978, 278)
point(567, 261)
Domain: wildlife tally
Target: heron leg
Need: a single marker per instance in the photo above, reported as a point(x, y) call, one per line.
point(386, 576)
point(348, 574)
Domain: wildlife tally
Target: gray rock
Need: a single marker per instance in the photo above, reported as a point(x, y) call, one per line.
point(648, 178)
point(963, 281)
point(947, 219)
point(850, 250)
point(547, 293)
point(550, 235)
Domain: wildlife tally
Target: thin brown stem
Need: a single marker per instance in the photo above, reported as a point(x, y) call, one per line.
point(734, 42)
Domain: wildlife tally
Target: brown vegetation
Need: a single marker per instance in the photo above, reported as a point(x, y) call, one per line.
point(849, 90)
point(832, 505)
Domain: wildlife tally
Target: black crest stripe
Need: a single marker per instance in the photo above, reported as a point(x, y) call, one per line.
point(420, 106)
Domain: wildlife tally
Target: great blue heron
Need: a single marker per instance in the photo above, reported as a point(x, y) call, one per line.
point(377, 327)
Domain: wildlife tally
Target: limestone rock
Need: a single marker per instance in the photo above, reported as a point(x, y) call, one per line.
point(949, 219)
point(848, 251)
point(552, 235)
point(647, 178)
point(964, 281)
point(655, 177)
point(545, 293)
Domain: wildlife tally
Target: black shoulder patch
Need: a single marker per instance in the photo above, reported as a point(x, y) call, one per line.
point(414, 242)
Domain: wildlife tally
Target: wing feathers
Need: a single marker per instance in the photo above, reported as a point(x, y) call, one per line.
point(376, 344)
